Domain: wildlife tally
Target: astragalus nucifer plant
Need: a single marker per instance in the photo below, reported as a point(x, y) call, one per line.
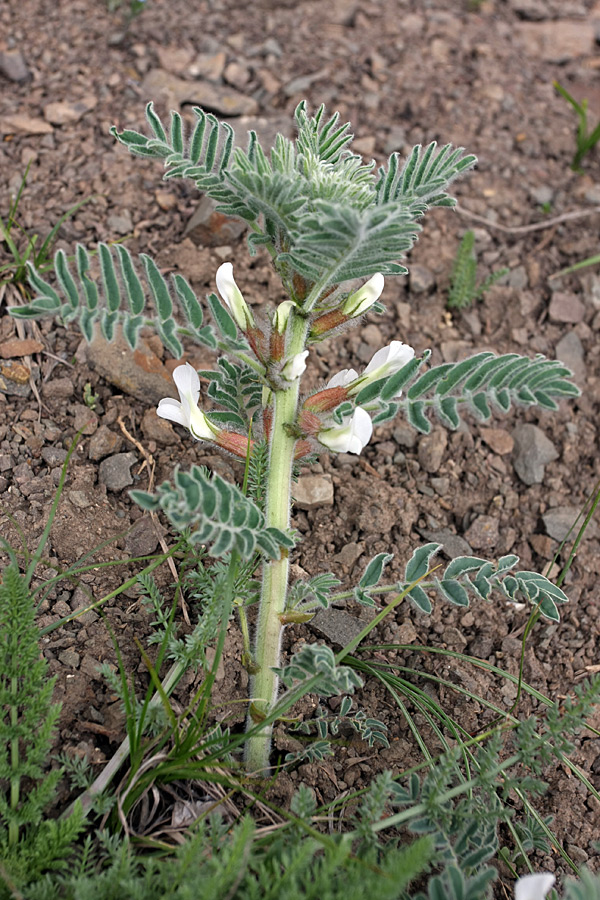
point(333, 227)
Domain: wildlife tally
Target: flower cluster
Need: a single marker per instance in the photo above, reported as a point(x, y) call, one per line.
point(315, 420)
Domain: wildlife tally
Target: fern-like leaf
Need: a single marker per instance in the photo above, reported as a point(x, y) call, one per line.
point(421, 182)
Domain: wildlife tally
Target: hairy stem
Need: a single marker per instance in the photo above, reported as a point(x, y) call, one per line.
point(269, 628)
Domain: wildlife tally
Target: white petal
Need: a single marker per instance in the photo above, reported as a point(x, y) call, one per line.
point(171, 409)
point(362, 299)
point(337, 439)
point(295, 366)
point(188, 383)
point(341, 379)
point(534, 887)
point(199, 425)
point(226, 282)
point(362, 426)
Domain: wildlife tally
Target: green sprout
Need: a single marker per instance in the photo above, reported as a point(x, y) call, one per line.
point(585, 139)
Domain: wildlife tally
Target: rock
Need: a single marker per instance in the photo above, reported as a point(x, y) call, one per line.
point(405, 436)
point(497, 440)
point(68, 112)
point(431, 450)
point(209, 228)
point(557, 41)
point(114, 472)
point(301, 84)
point(69, 658)
point(558, 521)
point(516, 278)
point(543, 194)
point(24, 124)
point(566, 307)
point(80, 499)
point(138, 372)
point(313, 491)
point(103, 443)
point(156, 429)
point(142, 540)
point(570, 351)
point(58, 389)
point(13, 66)
point(421, 279)
point(452, 544)
point(349, 554)
point(173, 92)
point(542, 545)
point(532, 451)
point(206, 65)
point(18, 347)
point(53, 456)
point(406, 634)
point(483, 533)
point(120, 223)
point(531, 10)
point(338, 626)
point(86, 419)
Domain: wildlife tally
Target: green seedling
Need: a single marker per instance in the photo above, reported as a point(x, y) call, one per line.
point(586, 140)
point(464, 289)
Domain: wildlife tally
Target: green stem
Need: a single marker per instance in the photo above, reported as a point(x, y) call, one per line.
point(15, 781)
point(275, 573)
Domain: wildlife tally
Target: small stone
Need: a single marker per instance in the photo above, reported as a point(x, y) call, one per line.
point(69, 658)
point(543, 194)
point(138, 372)
point(406, 634)
point(452, 544)
point(338, 626)
point(371, 335)
point(24, 125)
point(120, 223)
point(18, 347)
point(68, 112)
point(13, 66)
point(421, 279)
point(142, 540)
point(114, 472)
point(532, 451)
point(313, 491)
point(166, 200)
point(103, 443)
point(557, 41)
point(405, 436)
point(80, 499)
point(570, 351)
point(54, 456)
point(542, 545)
point(483, 533)
point(209, 228)
point(559, 520)
point(86, 419)
point(498, 440)
point(431, 450)
point(566, 307)
point(349, 554)
point(516, 278)
point(173, 92)
point(206, 65)
point(156, 429)
point(58, 389)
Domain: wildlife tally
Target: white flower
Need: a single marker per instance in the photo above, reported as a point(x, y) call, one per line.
point(185, 410)
point(362, 299)
point(295, 366)
point(351, 437)
point(385, 362)
point(282, 314)
point(341, 379)
point(232, 296)
point(534, 887)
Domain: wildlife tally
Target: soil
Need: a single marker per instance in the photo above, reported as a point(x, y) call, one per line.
point(476, 74)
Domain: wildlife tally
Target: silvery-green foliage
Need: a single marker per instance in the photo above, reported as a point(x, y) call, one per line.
point(471, 576)
point(372, 731)
point(311, 593)
point(237, 391)
point(120, 300)
point(325, 214)
point(215, 513)
point(478, 385)
point(317, 661)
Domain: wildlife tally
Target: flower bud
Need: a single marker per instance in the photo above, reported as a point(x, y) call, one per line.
point(364, 298)
point(232, 296)
point(282, 314)
point(351, 437)
point(295, 366)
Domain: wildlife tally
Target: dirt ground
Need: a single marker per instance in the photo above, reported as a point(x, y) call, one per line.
point(476, 74)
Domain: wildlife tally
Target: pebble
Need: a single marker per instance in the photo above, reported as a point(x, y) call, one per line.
point(103, 443)
point(25, 125)
point(67, 112)
point(80, 499)
point(405, 436)
point(431, 450)
point(54, 456)
point(497, 440)
point(86, 419)
point(349, 554)
point(69, 658)
point(142, 540)
point(120, 223)
point(13, 66)
point(543, 194)
point(20, 347)
point(338, 626)
point(453, 545)
point(570, 351)
point(140, 373)
point(156, 429)
point(313, 491)
point(58, 389)
point(558, 521)
point(421, 279)
point(516, 278)
point(557, 41)
point(532, 451)
point(114, 472)
point(566, 307)
point(483, 533)
point(172, 91)
point(209, 228)
point(406, 634)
